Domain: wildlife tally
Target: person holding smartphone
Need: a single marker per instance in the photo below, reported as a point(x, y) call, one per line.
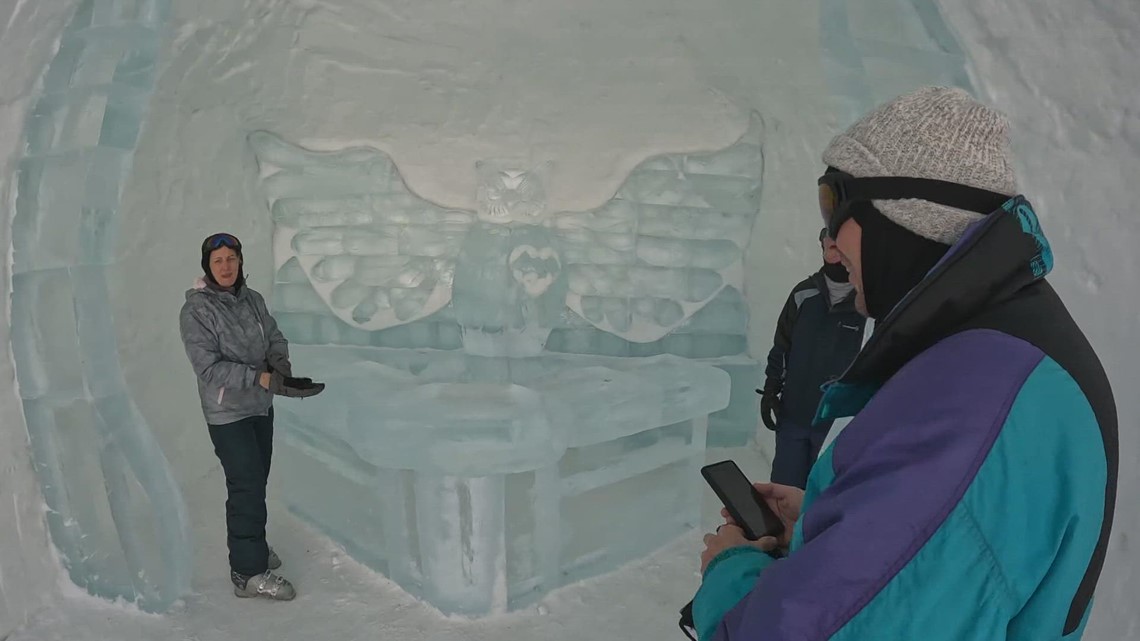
point(972, 495)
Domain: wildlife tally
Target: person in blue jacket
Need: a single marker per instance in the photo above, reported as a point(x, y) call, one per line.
point(817, 335)
point(972, 495)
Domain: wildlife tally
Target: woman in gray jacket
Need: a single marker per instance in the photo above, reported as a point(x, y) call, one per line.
point(241, 360)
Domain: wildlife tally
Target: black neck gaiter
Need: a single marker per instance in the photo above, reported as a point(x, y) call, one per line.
point(836, 272)
point(894, 260)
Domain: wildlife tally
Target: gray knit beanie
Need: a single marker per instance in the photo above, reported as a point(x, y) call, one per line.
point(934, 132)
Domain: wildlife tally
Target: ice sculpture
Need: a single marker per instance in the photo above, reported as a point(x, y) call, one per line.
point(656, 270)
point(474, 463)
point(115, 512)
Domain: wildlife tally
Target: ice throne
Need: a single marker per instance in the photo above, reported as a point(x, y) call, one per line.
point(517, 399)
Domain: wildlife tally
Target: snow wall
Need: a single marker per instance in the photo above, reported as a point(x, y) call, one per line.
point(595, 87)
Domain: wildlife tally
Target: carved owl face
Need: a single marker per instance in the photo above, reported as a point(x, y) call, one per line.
point(506, 194)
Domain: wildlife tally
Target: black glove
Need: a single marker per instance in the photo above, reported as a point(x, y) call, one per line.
point(282, 385)
point(769, 406)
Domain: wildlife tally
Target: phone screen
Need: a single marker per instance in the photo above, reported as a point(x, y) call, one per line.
point(749, 510)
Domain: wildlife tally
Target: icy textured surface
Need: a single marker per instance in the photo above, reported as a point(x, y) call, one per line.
point(657, 269)
point(507, 469)
point(482, 483)
point(450, 413)
point(596, 85)
point(638, 267)
point(874, 50)
point(29, 571)
point(115, 513)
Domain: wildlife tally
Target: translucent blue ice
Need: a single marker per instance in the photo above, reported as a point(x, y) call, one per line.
point(874, 50)
point(481, 483)
point(115, 512)
point(511, 391)
point(655, 270)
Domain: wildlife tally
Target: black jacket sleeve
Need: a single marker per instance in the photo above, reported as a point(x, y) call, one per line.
point(781, 344)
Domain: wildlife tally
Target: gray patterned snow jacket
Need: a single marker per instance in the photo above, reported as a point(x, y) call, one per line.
point(230, 340)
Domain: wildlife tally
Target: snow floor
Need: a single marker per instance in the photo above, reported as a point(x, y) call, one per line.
point(338, 598)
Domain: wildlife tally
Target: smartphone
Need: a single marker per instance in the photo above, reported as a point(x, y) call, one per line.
point(742, 501)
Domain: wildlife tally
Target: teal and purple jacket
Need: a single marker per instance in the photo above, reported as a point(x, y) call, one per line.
point(971, 497)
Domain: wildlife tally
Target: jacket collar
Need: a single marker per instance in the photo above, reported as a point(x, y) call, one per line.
point(997, 257)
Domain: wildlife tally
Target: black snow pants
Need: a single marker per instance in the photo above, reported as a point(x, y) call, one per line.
point(245, 448)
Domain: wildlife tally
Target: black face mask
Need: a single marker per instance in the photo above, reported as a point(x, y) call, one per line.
point(836, 272)
point(894, 260)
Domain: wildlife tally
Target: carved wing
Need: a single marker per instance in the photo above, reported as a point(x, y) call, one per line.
point(376, 253)
point(669, 241)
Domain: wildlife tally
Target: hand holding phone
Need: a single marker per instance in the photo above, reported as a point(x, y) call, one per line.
point(744, 504)
point(748, 510)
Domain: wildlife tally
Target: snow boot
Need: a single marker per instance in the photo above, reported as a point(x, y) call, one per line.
point(267, 585)
point(274, 560)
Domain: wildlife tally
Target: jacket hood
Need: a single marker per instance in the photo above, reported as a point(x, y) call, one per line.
point(199, 287)
point(996, 258)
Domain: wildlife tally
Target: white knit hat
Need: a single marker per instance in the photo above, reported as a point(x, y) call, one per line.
point(933, 132)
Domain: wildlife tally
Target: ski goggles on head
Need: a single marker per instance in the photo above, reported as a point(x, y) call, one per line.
point(840, 192)
point(221, 240)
